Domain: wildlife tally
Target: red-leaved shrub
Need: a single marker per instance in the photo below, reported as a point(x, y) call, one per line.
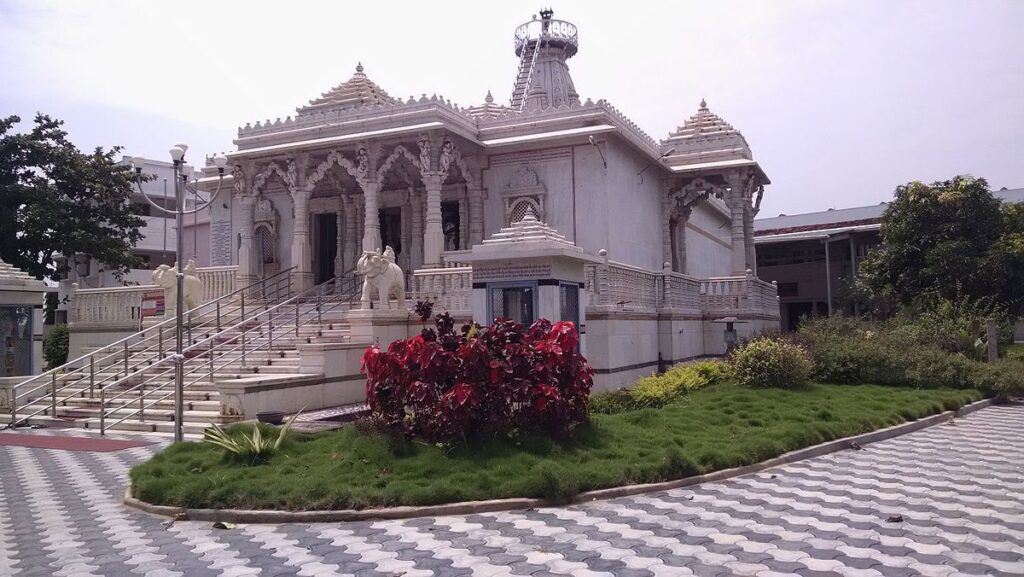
point(447, 387)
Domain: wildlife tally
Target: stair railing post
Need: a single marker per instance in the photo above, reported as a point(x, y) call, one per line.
point(270, 331)
point(14, 408)
point(92, 375)
point(160, 344)
point(103, 408)
point(319, 311)
point(126, 357)
point(243, 345)
point(296, 318)
point(53, 395)
point(142, 398)
point(210, 352)
point(218, 316)
point(243, 306)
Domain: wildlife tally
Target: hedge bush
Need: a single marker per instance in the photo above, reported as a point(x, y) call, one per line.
point(900, 352)
point(771, 362)
point(659, 390)
point(499, 380)
point(55, 347)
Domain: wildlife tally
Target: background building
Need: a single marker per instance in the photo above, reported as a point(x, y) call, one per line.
point(813, 256)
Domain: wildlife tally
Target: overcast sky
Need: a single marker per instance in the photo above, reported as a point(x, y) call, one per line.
point(840, 101)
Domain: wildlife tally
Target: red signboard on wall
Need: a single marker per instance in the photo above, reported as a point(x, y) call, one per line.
point(153, 303)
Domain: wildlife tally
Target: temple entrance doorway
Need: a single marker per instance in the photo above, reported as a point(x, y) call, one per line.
point(325, 236)
point(391, 229)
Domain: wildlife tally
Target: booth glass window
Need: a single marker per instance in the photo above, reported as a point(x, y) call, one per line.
point(569, 303)
point(515, 302)
point(15, 341)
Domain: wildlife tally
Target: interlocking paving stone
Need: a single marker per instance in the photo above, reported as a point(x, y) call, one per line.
point(960, 490)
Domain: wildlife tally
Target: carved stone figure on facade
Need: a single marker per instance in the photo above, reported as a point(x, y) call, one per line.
point(166, 278)
point(291, 174)
point(238, 179)
point(424, 145)
point(444, 161)
point(362, 163)
point(383, 276)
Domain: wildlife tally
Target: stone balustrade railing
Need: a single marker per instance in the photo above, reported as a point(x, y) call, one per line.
point(120, 308)
point(747, 293)
point(450, 289)
point(110, 308)
point(218, 281)
point(630, 288)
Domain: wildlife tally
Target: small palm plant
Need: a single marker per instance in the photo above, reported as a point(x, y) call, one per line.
point(253, 448)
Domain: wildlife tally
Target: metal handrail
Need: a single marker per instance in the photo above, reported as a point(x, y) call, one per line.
point(278, 311)
point(117, 349)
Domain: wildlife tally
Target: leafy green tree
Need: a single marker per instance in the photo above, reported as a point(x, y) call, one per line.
point(56, 200)
point(951, 240)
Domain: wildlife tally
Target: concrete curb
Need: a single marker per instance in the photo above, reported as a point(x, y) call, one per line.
point(472, 507)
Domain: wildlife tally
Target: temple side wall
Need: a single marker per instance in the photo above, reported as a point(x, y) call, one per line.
point(708, 244)
point(633, 207)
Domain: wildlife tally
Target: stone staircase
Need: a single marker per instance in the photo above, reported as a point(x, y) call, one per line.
point(223, 348)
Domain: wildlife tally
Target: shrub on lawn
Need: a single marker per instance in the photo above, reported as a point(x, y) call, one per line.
point(497, 380)
point(55, 348)
point(901, 351)
point(768, 362)
point(659, 390)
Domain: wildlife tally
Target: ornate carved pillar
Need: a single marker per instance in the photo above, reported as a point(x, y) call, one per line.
point(247, 247)
point(339, 256)
point(476, 216)
point(302, 275)
point(734, 200)
point(433, 235)
point(682, 217)
point(416, 246)
point(349, 234)
point(667, 205)
point(748, 236)
point(405, 258)
point(371, 215)
point(463, 223)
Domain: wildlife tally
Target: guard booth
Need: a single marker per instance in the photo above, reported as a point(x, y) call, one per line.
point(526, 272)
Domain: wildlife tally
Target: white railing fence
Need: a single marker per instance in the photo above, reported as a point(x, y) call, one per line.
point(121, 307)
point(450, 289)
point(630, 288)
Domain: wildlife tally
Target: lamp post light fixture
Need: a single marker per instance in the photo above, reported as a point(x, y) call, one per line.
point(181, 173)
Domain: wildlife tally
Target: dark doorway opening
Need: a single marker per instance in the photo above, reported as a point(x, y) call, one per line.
point(326, 247)
point(450, 225)
point(391, 229)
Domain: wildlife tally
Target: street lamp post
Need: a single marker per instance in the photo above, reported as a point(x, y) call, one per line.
point(180, 181)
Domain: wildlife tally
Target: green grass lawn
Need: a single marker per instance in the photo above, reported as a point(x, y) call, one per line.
point(1015, 352)
point(714, 428)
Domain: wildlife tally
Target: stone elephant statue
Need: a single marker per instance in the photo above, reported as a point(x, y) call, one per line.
point(166, 278)
point(383, 276)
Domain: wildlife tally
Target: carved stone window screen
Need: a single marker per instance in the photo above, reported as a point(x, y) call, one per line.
point(517, 207)
point(265, 239)
point(523, 192)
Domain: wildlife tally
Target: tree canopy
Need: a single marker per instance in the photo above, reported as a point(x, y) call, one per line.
point(951, 240)
point(56, 200)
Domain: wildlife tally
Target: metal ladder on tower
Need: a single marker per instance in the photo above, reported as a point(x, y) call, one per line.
point(530, 50)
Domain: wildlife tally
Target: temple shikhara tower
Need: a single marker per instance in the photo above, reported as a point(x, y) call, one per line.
point(359, 168)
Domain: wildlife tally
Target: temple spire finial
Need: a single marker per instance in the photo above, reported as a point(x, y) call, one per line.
point(703, 105)
point(488, 99)
point(359, 67)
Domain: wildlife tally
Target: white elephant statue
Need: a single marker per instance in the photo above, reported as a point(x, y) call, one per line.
point(166, 278)
point(383, 276)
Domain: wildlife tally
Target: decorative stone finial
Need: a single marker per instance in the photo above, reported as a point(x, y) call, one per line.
point(703, 104)
point(547, 13)
point(359, 67)
point(489, 99)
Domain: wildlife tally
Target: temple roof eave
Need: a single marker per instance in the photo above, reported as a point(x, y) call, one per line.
point(383, 121)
